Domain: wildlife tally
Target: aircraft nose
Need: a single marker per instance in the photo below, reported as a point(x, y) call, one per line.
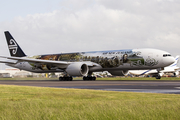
point(169, 60)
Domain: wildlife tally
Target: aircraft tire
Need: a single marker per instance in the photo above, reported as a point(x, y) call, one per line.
point(158, 77)
point(70, 78)
point(89, 78)
point(65, 78)
point(60, 78)
point(93, 78)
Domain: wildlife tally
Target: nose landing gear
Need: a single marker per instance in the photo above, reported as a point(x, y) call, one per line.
point(158, 77)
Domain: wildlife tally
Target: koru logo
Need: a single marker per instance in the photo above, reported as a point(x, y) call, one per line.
point(13, 46)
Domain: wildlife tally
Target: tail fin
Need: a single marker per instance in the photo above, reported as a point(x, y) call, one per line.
point(14, 48)
point(176, 61)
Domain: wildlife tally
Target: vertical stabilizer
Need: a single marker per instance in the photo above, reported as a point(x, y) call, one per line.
point(13, 47)
point(176, 61)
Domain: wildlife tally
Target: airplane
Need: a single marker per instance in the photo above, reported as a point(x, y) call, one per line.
point(173, 68)
point(116, 62)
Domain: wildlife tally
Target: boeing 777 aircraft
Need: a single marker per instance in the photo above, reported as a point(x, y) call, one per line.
point(173, 68)
point(116, 62)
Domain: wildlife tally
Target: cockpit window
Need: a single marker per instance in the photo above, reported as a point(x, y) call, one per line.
point(165, 55)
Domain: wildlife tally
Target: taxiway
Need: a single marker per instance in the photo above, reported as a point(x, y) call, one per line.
point(170, 87)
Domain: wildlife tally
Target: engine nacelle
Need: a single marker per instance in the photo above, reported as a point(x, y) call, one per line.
point(118, 72)
point(176, 73)
point(77, 69)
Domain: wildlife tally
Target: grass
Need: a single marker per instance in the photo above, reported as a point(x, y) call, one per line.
point(19, 103)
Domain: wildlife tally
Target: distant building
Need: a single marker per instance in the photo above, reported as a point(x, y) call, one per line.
point(14, 72)
point(4, 75)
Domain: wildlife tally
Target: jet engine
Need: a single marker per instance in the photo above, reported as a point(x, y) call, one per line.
point(77, 69)
point(119, 72)
point(176, 73)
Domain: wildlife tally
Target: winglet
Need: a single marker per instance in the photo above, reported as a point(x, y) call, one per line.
point(14, 48)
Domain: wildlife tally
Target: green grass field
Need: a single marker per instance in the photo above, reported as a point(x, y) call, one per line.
point(36, 103)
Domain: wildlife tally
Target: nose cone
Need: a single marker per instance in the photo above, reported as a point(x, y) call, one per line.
point(168, 60)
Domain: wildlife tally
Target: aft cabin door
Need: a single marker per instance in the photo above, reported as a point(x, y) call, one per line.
point(150, 55)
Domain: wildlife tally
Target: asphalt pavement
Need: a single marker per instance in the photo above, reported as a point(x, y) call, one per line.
point(168, 87)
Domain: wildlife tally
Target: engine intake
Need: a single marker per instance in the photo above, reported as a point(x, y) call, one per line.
point(77, 69)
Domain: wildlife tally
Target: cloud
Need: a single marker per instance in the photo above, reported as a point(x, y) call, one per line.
point(98, 25)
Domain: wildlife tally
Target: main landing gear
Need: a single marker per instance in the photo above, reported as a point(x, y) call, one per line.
point(89, 78)
point(65, 78)
point(85, 78)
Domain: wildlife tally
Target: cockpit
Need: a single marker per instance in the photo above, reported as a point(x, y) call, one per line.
point(165, 55)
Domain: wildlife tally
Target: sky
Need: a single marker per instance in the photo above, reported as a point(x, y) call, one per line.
point(60, 26)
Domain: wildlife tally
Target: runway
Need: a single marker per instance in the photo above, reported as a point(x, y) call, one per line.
point(168, 87)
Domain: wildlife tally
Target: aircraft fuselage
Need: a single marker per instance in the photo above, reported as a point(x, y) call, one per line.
point(130, 59)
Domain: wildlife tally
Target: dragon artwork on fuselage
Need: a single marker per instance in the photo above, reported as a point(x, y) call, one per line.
point(107, 59)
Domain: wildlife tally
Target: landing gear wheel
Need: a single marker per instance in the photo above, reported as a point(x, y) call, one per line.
point(65, 78)
point(93, 78)
point(89, 78)
point(158, 77)
point(60, 78)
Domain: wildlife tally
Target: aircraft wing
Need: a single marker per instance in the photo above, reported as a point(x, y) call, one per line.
point(176, 68)
point(60, 64)
point(143, 72)
point(10, 62)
